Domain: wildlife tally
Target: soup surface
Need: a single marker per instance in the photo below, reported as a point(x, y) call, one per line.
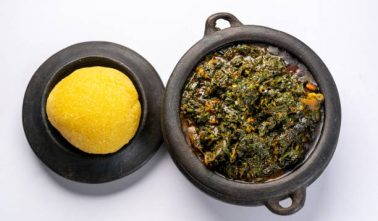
point(251, 112)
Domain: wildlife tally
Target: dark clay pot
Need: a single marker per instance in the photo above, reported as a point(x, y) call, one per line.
point(55, 151)
point(270, 193)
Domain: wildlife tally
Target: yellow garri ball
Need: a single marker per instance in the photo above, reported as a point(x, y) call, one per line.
point(96, 109)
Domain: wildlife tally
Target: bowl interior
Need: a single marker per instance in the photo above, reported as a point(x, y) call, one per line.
point(67, 70)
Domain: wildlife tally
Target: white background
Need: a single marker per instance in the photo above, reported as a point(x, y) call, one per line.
point(344, 33)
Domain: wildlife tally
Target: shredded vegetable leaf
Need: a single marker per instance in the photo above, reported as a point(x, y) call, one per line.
point(249, 112)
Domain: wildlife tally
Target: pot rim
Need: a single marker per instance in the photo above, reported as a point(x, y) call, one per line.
point(239, 192)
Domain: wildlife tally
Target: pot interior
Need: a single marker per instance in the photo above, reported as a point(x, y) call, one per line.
point(295, 59)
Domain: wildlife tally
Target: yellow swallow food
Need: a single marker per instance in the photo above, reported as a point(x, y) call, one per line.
point(96, 109)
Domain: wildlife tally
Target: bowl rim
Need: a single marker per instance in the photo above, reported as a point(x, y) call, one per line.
point(56, 152)
point(239, 192)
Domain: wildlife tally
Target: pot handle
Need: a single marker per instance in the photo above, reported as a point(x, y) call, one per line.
point(211, 22)
point(298, 199)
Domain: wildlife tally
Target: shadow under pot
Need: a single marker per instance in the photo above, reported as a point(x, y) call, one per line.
point(237, 153)
point(60, 155)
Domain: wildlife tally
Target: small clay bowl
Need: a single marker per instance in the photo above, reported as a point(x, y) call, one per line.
point(270, 193)
point(55, 151)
